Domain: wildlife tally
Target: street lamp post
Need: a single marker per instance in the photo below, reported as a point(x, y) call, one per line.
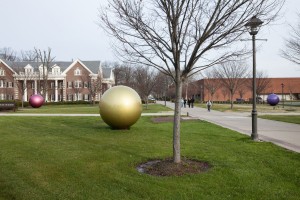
point(282, 86)
point(253, 26)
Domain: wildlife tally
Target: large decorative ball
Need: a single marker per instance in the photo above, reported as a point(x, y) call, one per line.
point(120, 107)
point(273, 99)
point(36, 101)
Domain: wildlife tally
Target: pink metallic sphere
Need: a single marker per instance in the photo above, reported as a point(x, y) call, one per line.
point(36, 101)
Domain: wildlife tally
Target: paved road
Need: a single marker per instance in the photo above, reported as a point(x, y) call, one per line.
point(283, 134)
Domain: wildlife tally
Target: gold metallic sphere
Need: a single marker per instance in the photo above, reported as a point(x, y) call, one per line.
point(120, 107)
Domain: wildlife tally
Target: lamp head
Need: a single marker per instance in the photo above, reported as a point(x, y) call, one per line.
point(253, 25)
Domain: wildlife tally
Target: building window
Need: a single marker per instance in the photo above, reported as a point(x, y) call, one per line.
point(2, 84)
point(60, 85)
point(32, 85)
point(2, 72)
point(52, 85)
point(70, 97)
point(77, 72)
point(79, 97)
point(10, 97)
point(52, 97)
point(10, 84)
point(56, 70)
point(86, 97)
point(77, 84)
point(69, 84)
point(85, 84)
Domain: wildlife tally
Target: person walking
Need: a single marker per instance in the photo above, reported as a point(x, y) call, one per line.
point(192, 101)
point(208, 104)
point(184, 102)
point(189, 102)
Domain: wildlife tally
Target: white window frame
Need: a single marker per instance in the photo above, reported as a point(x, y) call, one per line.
point(70, 84)
point(77, 72)
point(77, 84)
point(2, 83)
point(2, 72)
point(10, 84)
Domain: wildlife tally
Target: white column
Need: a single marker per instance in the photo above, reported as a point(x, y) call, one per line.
point(25, 91)
point(56, 90)
point(35, 86)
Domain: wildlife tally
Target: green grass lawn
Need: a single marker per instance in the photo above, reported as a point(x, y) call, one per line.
point(82, 158)
point(283, 118)
point(83, 109)
point(262, 108)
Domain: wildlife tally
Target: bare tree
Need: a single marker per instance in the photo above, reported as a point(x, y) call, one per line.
point(8, 53)
point(232, 76)
point(23, 78)
point(95, 86)
point(29, 55)
point(45, 59)
point(145, 80)
point(161, 89)
point(292, 45)
point(212, 84)
point(262, 82)
point(124, 74)
point(181, 37)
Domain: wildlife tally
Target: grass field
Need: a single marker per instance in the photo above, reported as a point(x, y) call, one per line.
point(261, 108)
point(83, 109)
point(295, 119)
point(81, 158)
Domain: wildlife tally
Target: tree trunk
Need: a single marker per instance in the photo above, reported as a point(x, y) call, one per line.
point(231, 100)
point(176, 126)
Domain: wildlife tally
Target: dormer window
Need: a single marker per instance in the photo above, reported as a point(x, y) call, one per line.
point(56, 70)
point(43, 69)
point(77, 72)
point(28, 69)
point(2, 72)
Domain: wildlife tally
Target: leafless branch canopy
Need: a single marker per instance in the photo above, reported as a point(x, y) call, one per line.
point(184, 36)
point(292, 45)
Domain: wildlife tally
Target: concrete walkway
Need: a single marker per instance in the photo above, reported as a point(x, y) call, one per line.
point(283, 134)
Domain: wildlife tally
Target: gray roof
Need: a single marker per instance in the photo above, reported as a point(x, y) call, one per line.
point(92, 65)
point(106, 72)
point(19, 66)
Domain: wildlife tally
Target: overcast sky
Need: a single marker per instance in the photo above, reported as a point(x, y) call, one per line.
point(69, 28)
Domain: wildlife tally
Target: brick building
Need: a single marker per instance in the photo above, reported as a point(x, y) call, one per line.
point(62, 81)
point(205, 89)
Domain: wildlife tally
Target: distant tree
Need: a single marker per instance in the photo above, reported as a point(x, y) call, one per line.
point(161, 89)
point(262, 82)
point(8, 53)
point(181, 37)
point(95, 86)
point(123, 74)
point(232, 76)
point(29, 55)
point(212, 84)
point(145, 79)
point(22, 79)
point(44, 62)
point(292, 45)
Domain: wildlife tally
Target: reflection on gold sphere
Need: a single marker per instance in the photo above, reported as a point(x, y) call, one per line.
point(120, 107)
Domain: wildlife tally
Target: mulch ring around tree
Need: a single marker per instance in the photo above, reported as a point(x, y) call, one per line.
point(167, 167)
point(170, 119)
